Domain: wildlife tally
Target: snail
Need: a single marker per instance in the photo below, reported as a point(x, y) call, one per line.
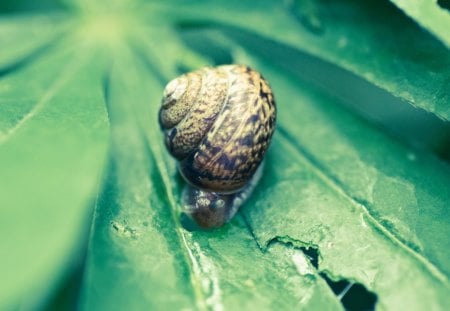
point(218, 123)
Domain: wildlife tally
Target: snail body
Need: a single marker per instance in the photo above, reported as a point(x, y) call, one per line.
point(218, 123)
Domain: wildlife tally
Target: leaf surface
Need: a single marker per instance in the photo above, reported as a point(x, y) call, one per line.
point(429, 15)
point(85, 133)
point(359, 196)
point(140, 226)
point(53, 141)
point(371, 39)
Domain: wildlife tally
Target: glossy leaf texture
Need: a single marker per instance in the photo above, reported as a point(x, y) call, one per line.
point(82, 161)
point(430, 15)
point(371, 39)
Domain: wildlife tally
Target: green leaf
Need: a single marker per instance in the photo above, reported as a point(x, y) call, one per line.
point(369, 38)
point(206, 270)
point(53, 139)
point(371, 195)
point(429, 15)
point(25, 37)
point(370, 208)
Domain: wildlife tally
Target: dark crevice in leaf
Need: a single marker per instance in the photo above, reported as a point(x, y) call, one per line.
point(353, 296)
point(29, 58)
point(445, 4)
point(309, 249)
point(383, 227)
point(252, 232)
point(312, 253)
point(287, 240)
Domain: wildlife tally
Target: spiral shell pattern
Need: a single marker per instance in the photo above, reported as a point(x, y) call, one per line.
point(218, 122)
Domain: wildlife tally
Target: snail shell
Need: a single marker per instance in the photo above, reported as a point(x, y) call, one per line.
point(218, 123)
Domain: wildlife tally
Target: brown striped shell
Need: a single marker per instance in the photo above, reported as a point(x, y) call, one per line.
point(218, 122)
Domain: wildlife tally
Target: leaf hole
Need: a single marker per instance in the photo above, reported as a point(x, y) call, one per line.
point(445, 4)
point(312, 254)
point(353, 296)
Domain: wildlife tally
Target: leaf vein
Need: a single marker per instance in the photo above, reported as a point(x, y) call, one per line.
point(61, 80)
point(336, 185)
